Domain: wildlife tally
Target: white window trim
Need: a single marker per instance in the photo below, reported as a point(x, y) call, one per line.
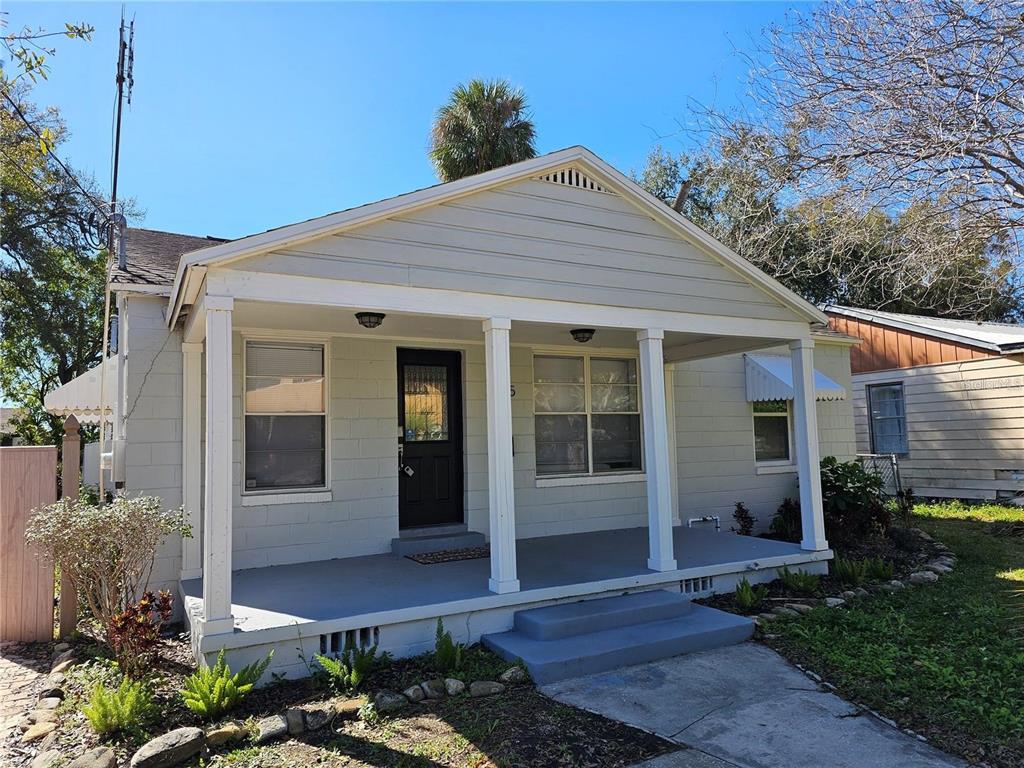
point(774, 466)
point(267, 496)
point(590, 477)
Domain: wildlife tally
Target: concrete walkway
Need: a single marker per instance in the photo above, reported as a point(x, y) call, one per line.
point(744, 706)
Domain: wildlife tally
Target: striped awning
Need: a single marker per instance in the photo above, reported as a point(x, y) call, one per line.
point(770, 377)
point(81, 395)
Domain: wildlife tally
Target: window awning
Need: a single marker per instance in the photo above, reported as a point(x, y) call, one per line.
point(81, 395)
point(770, 377)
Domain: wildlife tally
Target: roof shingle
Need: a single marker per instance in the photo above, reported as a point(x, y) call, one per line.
point(152, 256)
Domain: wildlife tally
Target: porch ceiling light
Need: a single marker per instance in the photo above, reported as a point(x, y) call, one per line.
point(370, 319)
point(582, 335)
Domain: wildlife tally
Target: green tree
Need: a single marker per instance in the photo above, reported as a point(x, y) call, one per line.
point(484, 125)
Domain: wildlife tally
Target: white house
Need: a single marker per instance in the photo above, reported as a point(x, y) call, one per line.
point(543, 357)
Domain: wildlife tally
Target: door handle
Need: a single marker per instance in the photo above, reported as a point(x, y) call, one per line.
point(409, 470)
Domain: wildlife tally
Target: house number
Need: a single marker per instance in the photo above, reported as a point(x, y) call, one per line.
point(513, 390)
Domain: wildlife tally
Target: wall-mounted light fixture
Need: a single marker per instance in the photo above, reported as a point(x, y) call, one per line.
point(582, 335)
point(370, 319)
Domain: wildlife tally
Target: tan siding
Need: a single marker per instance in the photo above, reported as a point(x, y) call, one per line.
point(536, 240)
point(965, 424)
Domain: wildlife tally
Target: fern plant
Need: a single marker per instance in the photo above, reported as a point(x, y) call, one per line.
point(346, 673)
point(125, 709)
point(850, 572)
point(213, 691)
point(748, 597)
point(801, 582)
point(878, 569)
point(447, 653)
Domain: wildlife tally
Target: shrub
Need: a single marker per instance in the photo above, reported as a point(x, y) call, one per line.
point(905, 502)
point(849, 571)
point(802, 582)
point(744, 520)
point(213, 691)
point(106, 550)
point(786, 523)
point(447, 653)
point(346, 673)
point(748, 598)
point(125, 709)
point(134, 633)
point(853, 503)
point(878, 569)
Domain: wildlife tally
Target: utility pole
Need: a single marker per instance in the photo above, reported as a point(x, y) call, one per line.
point(125, 81)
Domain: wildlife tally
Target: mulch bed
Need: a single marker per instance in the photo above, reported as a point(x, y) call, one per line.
point(451, 555)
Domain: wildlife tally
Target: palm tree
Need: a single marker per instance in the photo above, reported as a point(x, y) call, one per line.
point(483, 125)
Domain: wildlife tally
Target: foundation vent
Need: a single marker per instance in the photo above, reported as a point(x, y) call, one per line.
point(570, 177)
point(334, 643)
point(698, 585)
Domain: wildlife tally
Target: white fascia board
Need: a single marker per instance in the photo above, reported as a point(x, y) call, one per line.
point(143, 289)
point(335, 223)
point(903, 325)
point(378, 297)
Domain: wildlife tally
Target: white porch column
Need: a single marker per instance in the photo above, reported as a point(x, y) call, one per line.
point(673, 446)
point(217, 616)
point(191, 455)
point(500, 489)
point(656, 450)
point(805, 411)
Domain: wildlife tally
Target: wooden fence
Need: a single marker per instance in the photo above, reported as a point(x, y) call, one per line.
point(28, 479)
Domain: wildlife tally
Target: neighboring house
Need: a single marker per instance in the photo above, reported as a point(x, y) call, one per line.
point(8, 435)
point(543, 357)
point(945, 396)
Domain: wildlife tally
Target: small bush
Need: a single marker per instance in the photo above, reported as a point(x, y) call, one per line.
point(346, 673)
point(853, 503)
point(878, 569)
point(905, 502)
point(212, 691)
point(447, 653)
point(134, 633)
point(802, 582)
point(744, 520)
point(125, 709)
point(849, 571)
point(786, 523)
point(749, 598)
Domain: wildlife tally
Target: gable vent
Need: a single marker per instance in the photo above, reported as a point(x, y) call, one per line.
point(570, 177)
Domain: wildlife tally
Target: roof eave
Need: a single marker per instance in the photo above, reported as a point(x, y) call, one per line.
point(903, 325)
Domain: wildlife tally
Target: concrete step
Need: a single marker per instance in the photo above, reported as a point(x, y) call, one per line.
point(587, 616)
point(416, 545)
point(552, 660)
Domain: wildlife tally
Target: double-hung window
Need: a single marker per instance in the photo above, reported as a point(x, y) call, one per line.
point(888, 419)
point(285, 416)
point(772, 436)
point(586, 415)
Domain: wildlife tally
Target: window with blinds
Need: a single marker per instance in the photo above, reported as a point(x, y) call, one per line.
point(285, 416)
point(586, 415)
point(888, 419)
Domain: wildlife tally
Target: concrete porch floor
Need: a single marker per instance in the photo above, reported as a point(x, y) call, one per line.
point(550, 567)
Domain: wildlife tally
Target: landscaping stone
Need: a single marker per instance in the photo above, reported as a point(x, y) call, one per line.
point(514, 675)
point(296, 720)
point(51, 702)
point(40, 716)
point(897, 584)
point(414, 693)
point(938, 568)
point(784, 611)
point(388, 701)
point(48, 759)
point(60, 648)
point(168, 750)
point(800, 608)
point(834, 602)
point(270, 728)
point(348, 708)
point(37, 731)
point(63, 656)
point(767, 616)
point(434, 689)
point(848, 594)
point(454, 687)
point(861, 592)
point(222, 734)
point(923, 577)
point(63, 666)
point(317, 716)
point(51, 691)
point(480, 688)
point(99, 757)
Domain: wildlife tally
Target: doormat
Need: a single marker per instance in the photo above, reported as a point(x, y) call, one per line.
point(451, 555)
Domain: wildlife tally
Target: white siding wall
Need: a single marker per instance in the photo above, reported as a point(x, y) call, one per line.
point(715, 439)
point(965, 426)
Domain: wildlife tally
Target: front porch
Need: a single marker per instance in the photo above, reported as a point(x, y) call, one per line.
point(395, 601)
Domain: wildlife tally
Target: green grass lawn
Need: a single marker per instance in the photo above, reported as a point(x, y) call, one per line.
point(947, 659)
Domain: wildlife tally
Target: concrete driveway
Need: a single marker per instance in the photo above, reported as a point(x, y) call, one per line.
point(745, 706)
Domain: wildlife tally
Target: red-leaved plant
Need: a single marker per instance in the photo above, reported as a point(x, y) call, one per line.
point(134, 633)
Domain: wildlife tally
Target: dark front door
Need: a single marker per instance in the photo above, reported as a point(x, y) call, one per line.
point(430, 424)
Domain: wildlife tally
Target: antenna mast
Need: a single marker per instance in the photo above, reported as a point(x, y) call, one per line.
point(125, 80)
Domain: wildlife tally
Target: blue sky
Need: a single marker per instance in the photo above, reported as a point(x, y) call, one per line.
point(247, 116)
